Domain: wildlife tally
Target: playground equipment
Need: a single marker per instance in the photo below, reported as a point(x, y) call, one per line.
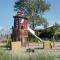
point(20, 32)
point(33, 33)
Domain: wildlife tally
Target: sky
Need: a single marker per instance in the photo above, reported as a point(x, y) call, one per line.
point(53, 15)
point(7, 12)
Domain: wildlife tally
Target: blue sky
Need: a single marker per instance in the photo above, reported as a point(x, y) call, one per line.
point(53, 15)
point(7, 12)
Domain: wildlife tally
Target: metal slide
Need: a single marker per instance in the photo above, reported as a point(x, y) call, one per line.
point(33, 33)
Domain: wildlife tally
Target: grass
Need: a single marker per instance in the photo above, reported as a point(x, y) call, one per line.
point(30, 56)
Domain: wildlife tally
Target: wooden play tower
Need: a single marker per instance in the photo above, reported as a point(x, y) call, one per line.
point(19, 30)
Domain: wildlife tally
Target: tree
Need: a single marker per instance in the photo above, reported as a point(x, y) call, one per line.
point(33, 9)
point(50, 32)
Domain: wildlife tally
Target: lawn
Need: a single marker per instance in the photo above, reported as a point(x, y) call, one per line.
point(30, 56)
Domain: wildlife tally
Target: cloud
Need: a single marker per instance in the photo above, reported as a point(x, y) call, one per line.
point(39, 27)
point(1, 28)
point(4, 30)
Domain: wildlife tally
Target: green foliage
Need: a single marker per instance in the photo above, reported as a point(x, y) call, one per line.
point(50, 32)
point(19, 4)
point(33, 9)
point(30, 5)
point(37, 21)
point(46, 34)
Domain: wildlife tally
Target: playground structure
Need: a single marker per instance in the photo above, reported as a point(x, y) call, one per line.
point(21, 29)
point(20, 32)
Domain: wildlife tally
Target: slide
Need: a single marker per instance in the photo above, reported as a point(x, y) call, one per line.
point(33, 33)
